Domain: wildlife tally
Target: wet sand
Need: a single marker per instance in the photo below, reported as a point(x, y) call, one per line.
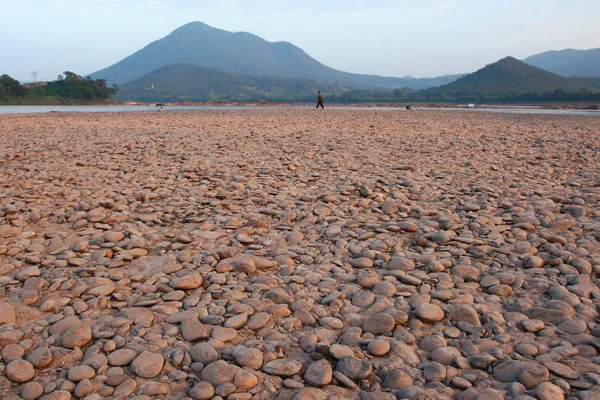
point(299, 254)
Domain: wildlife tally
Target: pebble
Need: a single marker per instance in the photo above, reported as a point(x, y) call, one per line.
point(19, 371)
point(148, 365)
point(31, 391)
point(282, 367)
point(354, 368)
point(319, 373)
point(429, 313)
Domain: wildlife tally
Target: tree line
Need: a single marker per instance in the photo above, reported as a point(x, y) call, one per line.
point(68, 86)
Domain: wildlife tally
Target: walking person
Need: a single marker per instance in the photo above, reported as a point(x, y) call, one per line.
point(320, 103)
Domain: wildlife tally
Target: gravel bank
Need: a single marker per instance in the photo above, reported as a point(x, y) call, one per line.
point(295, 254)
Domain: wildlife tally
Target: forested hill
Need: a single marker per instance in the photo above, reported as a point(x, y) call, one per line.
point(68, 89)
point(244, 53)
point(569, 62)
point(509, 77)
point(180, 82)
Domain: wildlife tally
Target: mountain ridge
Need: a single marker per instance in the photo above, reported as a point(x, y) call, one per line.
point(510, 77)
point(184, 81)
point(244, 53)
point(568, 62)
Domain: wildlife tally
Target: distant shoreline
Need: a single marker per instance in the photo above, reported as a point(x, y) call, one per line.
point(224, 104)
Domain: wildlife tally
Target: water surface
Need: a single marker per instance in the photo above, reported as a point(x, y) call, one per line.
point(126, 109)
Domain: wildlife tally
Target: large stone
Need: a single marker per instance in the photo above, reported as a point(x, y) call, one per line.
point(318, 374)
point(148, 365)
point(202, 391)
point(204, 353)
point(122, 357)
point(248, 357)
point(529, 374)
point(77, 336)
point(379, 323)
point(19, 371)
point(7, 314)
point(219, 372)
point(553, 312)
point(61, 327)
point(282, 367)
point(40, 357)
point(354, 368)
point(465, 313)
point(193, 330)
point(548, 391)
point(397, 379)
point(401, 264)
point(58, 395)
point(31, 391)
point(186, 282)
point(80, 372)
point(429, 313)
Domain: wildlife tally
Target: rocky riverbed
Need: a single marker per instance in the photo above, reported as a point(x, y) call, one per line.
point(295, 254)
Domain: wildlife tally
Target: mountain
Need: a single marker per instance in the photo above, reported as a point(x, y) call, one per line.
point(179, 82)
point(243, 53)
point(510, 77)
point(569, 62)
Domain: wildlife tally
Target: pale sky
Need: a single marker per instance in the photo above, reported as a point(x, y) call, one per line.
point(422, 38)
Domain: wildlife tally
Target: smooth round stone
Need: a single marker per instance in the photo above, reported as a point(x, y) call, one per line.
point(219, 372)
point(339, 351)
point(245, 380)
point(121, 357)
point(548, 391)
point(354, 368)
point(40, 357)
point(445, 355)
point(282, 367)
point(573, 326)
point(384, 288)
point(202, 391)
point(319, 373)
point(397, 379)
point(76, 374)
point(204, 353)
point(379, 323)
point(224, 334)
point(333, 323)
point(464, 313)
point(434, 372)
point(19, 371)
point(248, 357)
point(526, 349)
point(500, 290)
point(83, 388)
point(31, 391)
point(378, 347)
point(430, 343)
point(114, 237)
point(148, 365)
point(12, 350)
point(429, 313)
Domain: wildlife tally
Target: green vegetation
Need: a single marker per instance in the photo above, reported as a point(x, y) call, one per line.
point(569, 62)
point(69, 88)
point(508, 80)
point(511, 80)
point(244, 54)
point(181, 82)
